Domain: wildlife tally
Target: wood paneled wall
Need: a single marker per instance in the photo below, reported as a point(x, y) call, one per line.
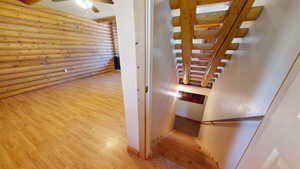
point(115, 38)
point(41, 47)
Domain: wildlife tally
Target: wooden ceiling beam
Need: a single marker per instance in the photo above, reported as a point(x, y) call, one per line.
point(187, 21)
point(205, 34)
point(200, 56)
point(194, 63)
point(199, 69)
point(202, 74)
point(238, 12)
point(175, 3)
point(199, 63)
point(106, 19)
point(179, 68)
point(196, 75)
point(201, 34)
point(203, 56)
point(208, 46)
point(212, 18)
point(104, 1)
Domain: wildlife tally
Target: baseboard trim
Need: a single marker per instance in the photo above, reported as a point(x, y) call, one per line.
point(133, 151)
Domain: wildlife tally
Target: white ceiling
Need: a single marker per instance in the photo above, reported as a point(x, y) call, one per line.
point(70, 6)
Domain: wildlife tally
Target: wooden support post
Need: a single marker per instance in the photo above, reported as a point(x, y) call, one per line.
point(233, 13)
point(187, 22)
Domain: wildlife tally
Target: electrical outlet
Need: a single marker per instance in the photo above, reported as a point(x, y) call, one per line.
point(66, 70)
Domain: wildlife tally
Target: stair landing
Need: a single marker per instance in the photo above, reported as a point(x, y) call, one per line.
point(184, 150)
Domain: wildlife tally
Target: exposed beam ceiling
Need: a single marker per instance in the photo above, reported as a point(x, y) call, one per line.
point(208, 46)
point(238, 12)
point(187, 22)
point(206, 37)
point(205, 34)
point(213, 18)
point(175, 4)
point(104, 1)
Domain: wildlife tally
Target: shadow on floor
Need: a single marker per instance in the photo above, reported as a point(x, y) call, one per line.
point(183, 150)
point(187, 126)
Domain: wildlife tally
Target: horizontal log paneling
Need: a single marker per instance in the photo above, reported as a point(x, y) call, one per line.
point(205, 46)
point(49, 51)
point(48, 75)
point(23, 90)
point(78, 36)
point(51, 56)
point(115, 38)
point(46, 71)
point(41, 47)
point(51, 61)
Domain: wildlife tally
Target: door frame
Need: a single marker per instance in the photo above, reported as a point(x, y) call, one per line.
point(148, 80)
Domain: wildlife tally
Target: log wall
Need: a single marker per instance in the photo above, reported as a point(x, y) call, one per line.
point(115, 38)
point(41, 47)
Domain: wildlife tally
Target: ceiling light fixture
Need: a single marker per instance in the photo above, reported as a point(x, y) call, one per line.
point(84, 3)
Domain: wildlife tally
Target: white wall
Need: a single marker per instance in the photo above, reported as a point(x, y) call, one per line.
point(252, 77)
point(127, 35)
point(276, 144)
point(189, 110)
point(194, 89)
point(227, 142)
point(163, 78)
point(131, 29)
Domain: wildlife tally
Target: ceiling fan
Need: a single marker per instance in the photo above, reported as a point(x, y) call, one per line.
point(87, 4)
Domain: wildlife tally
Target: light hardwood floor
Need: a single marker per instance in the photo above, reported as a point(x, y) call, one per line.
point(76, 125)
point(184, 150)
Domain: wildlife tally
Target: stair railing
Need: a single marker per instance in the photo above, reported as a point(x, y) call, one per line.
point(238, 119)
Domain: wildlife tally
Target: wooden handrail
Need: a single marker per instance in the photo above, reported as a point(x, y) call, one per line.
point(235, 119)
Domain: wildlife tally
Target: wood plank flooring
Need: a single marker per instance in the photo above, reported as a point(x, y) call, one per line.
point(76, 125)
point(184, 150)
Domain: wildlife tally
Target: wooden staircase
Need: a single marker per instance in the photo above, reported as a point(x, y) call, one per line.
point(181, 150)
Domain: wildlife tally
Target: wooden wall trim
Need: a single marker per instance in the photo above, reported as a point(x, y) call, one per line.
point(106, 19)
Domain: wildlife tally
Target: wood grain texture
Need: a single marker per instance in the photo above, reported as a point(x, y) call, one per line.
point(106, 19)
point(187, 153)
point(40, 47)
point(212, 18)
point(240, 12)
point(204, 34)
point(187, 21)
point(175, 3)
point(76, 125)
point(207, 36)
